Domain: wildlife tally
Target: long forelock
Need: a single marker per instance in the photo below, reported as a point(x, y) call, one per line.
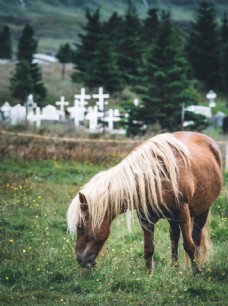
point(136, 182)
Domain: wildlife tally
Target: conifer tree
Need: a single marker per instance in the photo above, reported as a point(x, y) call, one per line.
point(64, 56)
point(130, 50)
point(164, 85)
point(27, 78)
point(224, 54)
point(85, 56)
point(95, 58)
point(150, 25)
point(202, 47)
point(5, 43)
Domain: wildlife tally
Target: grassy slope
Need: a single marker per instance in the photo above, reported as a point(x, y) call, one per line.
point(55, 23)
point(37, 256)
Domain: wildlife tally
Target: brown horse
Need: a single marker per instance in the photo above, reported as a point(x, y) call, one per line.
point(174, 176)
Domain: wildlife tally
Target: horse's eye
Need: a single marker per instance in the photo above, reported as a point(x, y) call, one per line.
point(80, 226)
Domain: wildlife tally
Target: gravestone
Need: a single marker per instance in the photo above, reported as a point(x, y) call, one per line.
point(93, 115)
point(62, 103)
point(201, 110)
point(101, 96)
point(113, 116)
point(50, 112)
point(30, 104)
point(35, 117)
point(77, 112)
point(5, 110)
point(17, 114)
point(82, 98)
point(225, 126)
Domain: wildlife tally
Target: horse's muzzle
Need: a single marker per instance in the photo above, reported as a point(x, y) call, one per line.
point(87, 260)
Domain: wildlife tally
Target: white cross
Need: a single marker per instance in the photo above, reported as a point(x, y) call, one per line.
point(111, 119)
point(77, 112)
point(82, 97)
point(92, 116)
point(101, 99)
point(62, 104)
point(35, 117)
point(30, 104)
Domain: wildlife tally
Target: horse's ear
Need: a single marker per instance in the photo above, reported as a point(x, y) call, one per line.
point(83, 201)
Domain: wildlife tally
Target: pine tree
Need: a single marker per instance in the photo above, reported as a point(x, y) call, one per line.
point(203, 46)
point(5, 43)
point(27, 78)
point(21, 84)
point(27, 45)
point(224, 54)
point(150, 26)
point(64, 56)
point(130, 49)
point(164, 85)
point(85, 56)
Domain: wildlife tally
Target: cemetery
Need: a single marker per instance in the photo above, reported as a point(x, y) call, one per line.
point(96, 118)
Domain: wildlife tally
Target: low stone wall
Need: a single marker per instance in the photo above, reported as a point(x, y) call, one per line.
point(30, 146)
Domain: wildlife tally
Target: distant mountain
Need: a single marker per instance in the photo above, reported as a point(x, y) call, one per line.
point(58, 21)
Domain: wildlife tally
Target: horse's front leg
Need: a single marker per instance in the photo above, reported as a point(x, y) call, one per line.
point(174, 232)
point(186, 229)
point(148, 246)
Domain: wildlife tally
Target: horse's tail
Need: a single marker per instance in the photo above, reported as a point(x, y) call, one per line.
point(206, 247)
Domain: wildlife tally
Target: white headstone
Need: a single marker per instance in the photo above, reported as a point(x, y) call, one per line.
point(111, 118)
point(101, 99)
point(202, 110)
point(5, 108)
point(50, 112)
point(82, 98)
point(35, 117)
point(17, 114)
point(93, 116)
point(62, 103)
point(30, 104)
point(136, 102)
point(77, 112)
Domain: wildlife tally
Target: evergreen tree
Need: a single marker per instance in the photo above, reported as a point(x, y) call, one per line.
point(27, 78)
point(64, 56)
point(95, 58)
point(5, 43)
point(164, 85)
point(224, 54)
point(27, 44)
point(130, 50)
point(85, 56)
point(21, 84)
point(203, 46)
point(150, 26)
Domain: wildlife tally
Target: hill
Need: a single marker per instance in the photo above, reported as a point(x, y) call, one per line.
point(58, 21)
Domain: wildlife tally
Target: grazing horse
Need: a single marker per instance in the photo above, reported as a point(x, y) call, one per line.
point(174, 176)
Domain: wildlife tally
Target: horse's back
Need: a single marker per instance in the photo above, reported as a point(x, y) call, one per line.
point(202, 181)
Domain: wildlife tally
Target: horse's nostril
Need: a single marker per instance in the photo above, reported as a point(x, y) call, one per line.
point(87, 260)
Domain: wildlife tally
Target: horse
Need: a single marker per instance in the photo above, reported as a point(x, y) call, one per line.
point(176, 176)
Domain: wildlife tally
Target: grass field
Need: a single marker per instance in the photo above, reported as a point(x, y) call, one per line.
point(38, 265)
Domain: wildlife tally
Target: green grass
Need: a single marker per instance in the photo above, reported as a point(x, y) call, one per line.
point(38, 265)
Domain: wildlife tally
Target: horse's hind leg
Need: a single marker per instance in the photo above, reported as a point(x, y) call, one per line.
point(199, 222)
point(174, 232)
point(186, 229)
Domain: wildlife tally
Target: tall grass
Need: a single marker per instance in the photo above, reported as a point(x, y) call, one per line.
point(37, 258)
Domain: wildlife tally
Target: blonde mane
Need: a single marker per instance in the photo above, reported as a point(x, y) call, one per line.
point(135, 183)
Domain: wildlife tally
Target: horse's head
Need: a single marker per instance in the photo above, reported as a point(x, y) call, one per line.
point(89, 240)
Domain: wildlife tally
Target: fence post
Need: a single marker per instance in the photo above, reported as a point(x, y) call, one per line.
point(226, 158)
